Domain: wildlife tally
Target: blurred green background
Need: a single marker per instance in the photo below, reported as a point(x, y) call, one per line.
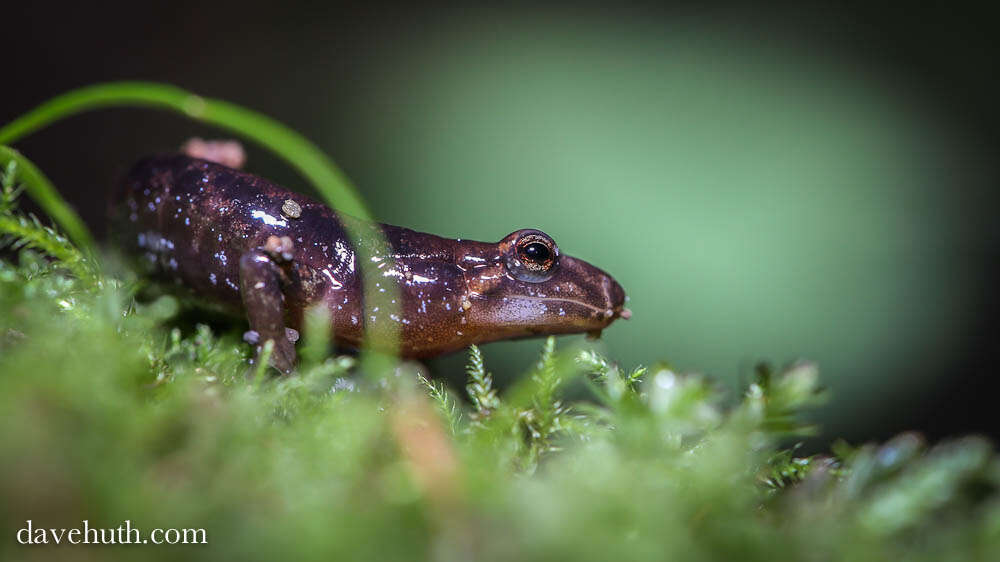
point(755, 202)
point(763, 187)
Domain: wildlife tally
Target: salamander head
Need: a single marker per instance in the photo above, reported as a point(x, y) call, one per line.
point(524, 286)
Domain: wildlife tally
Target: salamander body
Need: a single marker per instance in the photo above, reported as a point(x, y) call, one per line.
point(261, 250)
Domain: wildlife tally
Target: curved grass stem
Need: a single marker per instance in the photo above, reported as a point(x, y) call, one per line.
point(289, 145)
point(45, 194)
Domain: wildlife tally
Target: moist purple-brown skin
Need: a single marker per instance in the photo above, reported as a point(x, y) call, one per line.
point(260, 249)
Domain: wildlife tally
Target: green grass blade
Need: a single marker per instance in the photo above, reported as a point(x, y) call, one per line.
point(45, 194)
point(292, 147)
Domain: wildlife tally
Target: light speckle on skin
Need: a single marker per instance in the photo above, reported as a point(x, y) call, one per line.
point(334, 283)
point(267, 219)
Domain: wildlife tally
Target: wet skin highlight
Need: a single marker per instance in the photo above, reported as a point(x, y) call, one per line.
point(259, 249)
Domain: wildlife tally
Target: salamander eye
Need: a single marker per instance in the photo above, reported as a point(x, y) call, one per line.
point(531, 255)
point(536, 252)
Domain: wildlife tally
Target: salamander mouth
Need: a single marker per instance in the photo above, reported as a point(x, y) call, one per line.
point(596, 309)
point(604, 315)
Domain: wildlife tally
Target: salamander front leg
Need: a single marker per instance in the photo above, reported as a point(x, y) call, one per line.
point(260, 286)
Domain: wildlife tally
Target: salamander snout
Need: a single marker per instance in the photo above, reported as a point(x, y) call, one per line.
point(587, 284)
point(616, 299)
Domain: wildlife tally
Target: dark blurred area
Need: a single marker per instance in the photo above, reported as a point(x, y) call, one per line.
point(776, 183)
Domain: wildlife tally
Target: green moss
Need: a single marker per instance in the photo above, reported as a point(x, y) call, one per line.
point(111, 412)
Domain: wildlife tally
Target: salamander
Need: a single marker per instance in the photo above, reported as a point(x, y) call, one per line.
point(261, 250)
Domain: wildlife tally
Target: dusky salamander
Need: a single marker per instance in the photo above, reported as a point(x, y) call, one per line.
point(270, 253)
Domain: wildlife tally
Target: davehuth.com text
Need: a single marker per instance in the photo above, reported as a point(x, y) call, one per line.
point(123, 534)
